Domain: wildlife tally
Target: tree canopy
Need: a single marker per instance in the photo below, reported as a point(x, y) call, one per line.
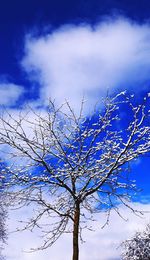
point(69, 166)
point(138, 247)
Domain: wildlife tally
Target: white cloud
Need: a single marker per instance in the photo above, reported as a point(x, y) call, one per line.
point(10, 93)
point(100, 245)
point(77, 60)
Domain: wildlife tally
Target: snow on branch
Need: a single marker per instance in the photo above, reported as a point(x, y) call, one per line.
point(59, 161)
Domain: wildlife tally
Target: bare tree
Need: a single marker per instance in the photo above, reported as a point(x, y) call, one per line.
point(138, 247)
point(70, 166)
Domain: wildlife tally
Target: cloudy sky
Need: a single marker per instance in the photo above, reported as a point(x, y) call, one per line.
point(65, 49)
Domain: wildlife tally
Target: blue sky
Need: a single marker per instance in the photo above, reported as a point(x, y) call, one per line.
point(18, 18)
point(64, 49)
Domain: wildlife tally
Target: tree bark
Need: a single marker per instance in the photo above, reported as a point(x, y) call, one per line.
point(76, 232)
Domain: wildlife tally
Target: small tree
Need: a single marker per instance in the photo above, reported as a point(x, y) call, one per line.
point(72, 166)
point(138, 247)
point(3, 215)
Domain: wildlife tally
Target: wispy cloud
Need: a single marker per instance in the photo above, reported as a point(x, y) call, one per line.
point(81, 60)
point(100, 245)
point(10, 93)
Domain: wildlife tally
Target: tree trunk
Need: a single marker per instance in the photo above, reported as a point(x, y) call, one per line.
point(76, 232)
